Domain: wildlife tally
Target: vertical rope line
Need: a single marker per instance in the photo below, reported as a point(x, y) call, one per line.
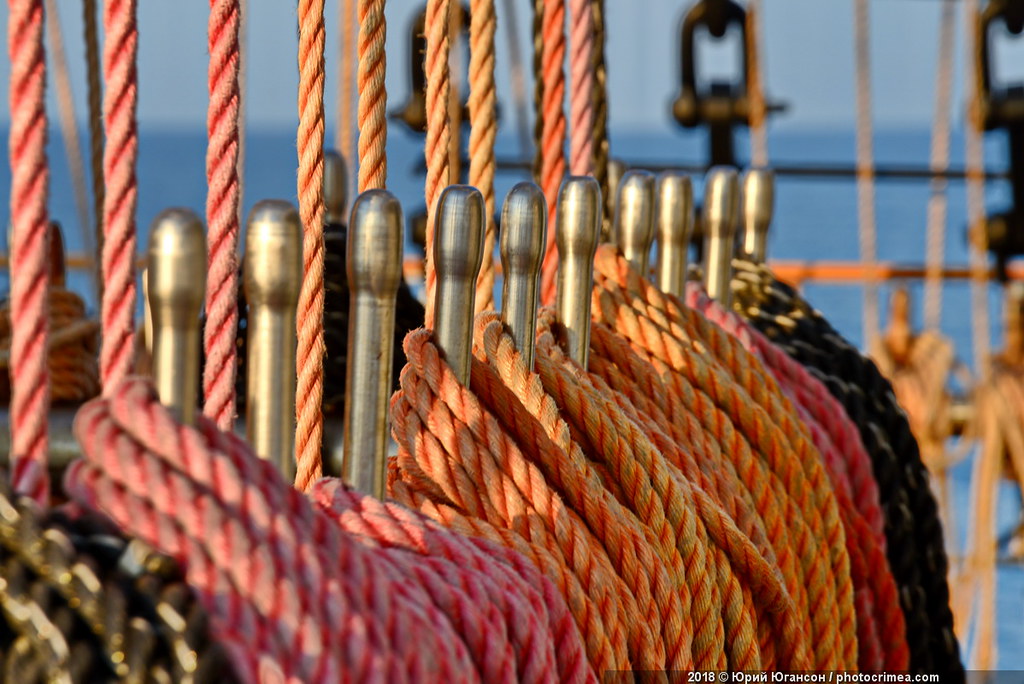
point(936, 229)
point(243, 41)
point(220, 333)
point(975, 162)
point(483, 130)
point(92, 70)
point(601, 142)
point(343, 137)
point(552, 117)
point(438, 131)
point(120, 49)
point(373, 96)
point(29, 267)
point(581, 96)
point(518, 80)
point(69, 128)
point(536, 27)
point(865, 169)
point(310, 320)
point(454, 99)
point(755, 87)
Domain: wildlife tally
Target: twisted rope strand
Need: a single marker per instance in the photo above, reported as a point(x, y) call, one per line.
point(551, 114)
point(483, 131)
point(582, 27)
point(120, 153)
point(92, 70)
point(373, 96)
point(346, 50)
point(438, 130)
point(309, 389)
point(29, 268)
point(222, 218)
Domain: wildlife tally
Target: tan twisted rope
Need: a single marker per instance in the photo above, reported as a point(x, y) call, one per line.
point(438, 130)
point(310, 320)
point(454, 96)
point(373, 97)
point(343, 139)
point(936, 227)
point(484, 128)
point(865, 169)
point(601, 142)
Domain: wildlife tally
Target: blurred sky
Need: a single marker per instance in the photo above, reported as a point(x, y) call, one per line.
point(808, 60)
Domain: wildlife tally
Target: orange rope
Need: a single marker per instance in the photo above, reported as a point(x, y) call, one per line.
point(755, 87)
point(438, 129)
point(551, 115)
point(346, 72)
point(310, 319)
point(222, 200)
point(92, 69)
point(581, 96)
point(484, 128)
point(373, 97)
point(120, 48)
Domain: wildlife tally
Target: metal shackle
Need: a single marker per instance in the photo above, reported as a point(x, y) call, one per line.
point(523, 233)
point(175, 290)
point(576, 235)
point(634, 219)
point(674, 226)
point(373, 263)
point(458, 254)
point(272, 276)
point(721, 214)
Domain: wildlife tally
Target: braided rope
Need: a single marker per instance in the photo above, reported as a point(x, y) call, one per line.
point(373, 96)
point(222, 206)
point(913, 530)
point(310, 319)
point(583, 83)
point(551, 114)
point(120, 152)
point(438, 129)
point(92, 70)
point(484, 129)
point(29, 268)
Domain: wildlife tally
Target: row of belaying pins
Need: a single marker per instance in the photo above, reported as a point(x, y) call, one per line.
point(646, 207)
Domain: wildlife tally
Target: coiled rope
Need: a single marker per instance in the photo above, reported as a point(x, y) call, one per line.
point(346, 589)
point(483, 121)
point(913, 530)
point(29, 269)
point(222, 206)
point(120, 153)
point(435, 69)
point(310, 319)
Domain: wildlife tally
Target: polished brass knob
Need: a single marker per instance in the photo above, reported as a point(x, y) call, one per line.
point(523, 231)
point(674, 227)
point(576, 234)
point(374, 267)
point(634, 219)
point(758, 205)
point(335, 187)
point(458, 253)
point(721, 214)
point(272, 277)
point(176, 287)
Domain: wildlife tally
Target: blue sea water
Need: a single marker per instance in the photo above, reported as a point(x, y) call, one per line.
point(814, 219)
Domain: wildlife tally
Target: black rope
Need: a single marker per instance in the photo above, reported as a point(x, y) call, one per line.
point(915, 544)
point(79, 603)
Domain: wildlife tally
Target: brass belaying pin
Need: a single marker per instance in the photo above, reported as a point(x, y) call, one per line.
point(721, 212)
point(576, 234)
point(758, 205)
point(458, 253)
point(374, 266)
point(335, 187)
point(674, 227)
point(176, 287)
point(273, 277)
point(634, 219)
point(523, 231)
